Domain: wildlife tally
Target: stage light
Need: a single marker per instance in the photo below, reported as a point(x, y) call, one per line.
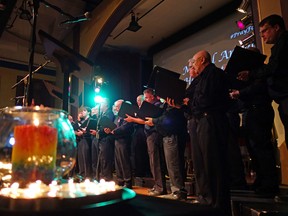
point(97, 90)
point(99, 80)
point(244, 6)
point(98, 99)
point(133, 26)
point(244, 22)
point(247, 40)
point(25, 14)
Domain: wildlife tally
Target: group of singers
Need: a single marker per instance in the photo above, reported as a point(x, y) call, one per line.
point(205, 115)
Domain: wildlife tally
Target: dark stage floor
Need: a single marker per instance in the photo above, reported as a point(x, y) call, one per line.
point(244, 202)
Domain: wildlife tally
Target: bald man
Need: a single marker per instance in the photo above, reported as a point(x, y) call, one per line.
point(209, 102)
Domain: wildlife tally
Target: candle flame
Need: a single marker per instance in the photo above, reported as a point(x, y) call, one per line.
point(68, 190)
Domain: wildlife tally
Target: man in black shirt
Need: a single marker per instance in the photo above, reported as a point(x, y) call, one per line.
point(257, 118)
point(209, 104)
point(122, 134)
point(84, 144)
point(273, 31)
point(105, 164)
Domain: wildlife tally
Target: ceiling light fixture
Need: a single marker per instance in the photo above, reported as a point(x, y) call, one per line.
point(244, 6)
point(244, 22)
point(133, 26)
point(25, 14)
point(247, 40)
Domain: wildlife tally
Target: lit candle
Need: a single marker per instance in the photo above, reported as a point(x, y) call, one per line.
point(34, 154)
point(69, 190)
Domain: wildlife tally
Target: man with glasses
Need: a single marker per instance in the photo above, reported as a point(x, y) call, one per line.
point(273, 31)
point(208, 102)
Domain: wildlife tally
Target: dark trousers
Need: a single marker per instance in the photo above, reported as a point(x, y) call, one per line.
point(156, 165)
point(122, 161)
point(209, 143)
point(139, 153)
point(258, 123)
point(106, 158)
point(84, 157)
point(95, 154)
point(237, 171)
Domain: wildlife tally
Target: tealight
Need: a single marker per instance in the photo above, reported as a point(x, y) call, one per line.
point(68, 190)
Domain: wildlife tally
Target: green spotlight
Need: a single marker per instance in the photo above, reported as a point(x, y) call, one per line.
point(98, 99)
point(97, 90)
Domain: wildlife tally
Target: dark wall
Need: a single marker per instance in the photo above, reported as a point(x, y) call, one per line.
point(284, 9)
point(39, 93)
point(123, 72)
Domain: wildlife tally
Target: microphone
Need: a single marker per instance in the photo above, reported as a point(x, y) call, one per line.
point(84, 17)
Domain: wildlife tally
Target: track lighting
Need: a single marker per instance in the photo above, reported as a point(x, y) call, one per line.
point(25, 14)
point(247, 40)
point(134, 26)
point(244, 22)
point(244, 6)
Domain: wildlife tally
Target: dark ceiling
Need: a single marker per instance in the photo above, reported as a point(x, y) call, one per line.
point(163, 22)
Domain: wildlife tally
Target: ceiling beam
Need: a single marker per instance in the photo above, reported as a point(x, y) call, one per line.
point(105, 17)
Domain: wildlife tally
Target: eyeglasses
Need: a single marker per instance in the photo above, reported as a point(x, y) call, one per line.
point(265, 30)
point(193, 61)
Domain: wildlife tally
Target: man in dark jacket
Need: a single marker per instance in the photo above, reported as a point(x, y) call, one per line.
point(209, 104)
point(172, 127)
point(273, 31)
point(122, 135)
point(257, 122)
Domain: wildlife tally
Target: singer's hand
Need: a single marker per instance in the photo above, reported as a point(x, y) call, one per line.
point(107, 130)
point(185, 101)
point(93, 132)
point(149, 121)
point(234, 94)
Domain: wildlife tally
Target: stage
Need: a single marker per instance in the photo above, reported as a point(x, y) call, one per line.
point(244, 203)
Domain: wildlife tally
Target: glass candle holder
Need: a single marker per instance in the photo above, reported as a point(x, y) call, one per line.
point(35, 144)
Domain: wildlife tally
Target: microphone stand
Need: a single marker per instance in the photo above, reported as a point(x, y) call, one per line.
point(36, 3)
point(25, 81)
point(28, 94)
point(25, 78)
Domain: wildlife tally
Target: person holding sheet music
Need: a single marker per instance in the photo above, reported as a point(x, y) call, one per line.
point(122, 134)
point(94, 145)
point(84, 144)
point(209, 104)
point(105, 158)
point(258, 117)
point(139, 153)
point(172, 127)
point(273, 31)
point(155, 150)
point(154, 147)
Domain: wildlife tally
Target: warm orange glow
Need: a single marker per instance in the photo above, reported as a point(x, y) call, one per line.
point(34, 153)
